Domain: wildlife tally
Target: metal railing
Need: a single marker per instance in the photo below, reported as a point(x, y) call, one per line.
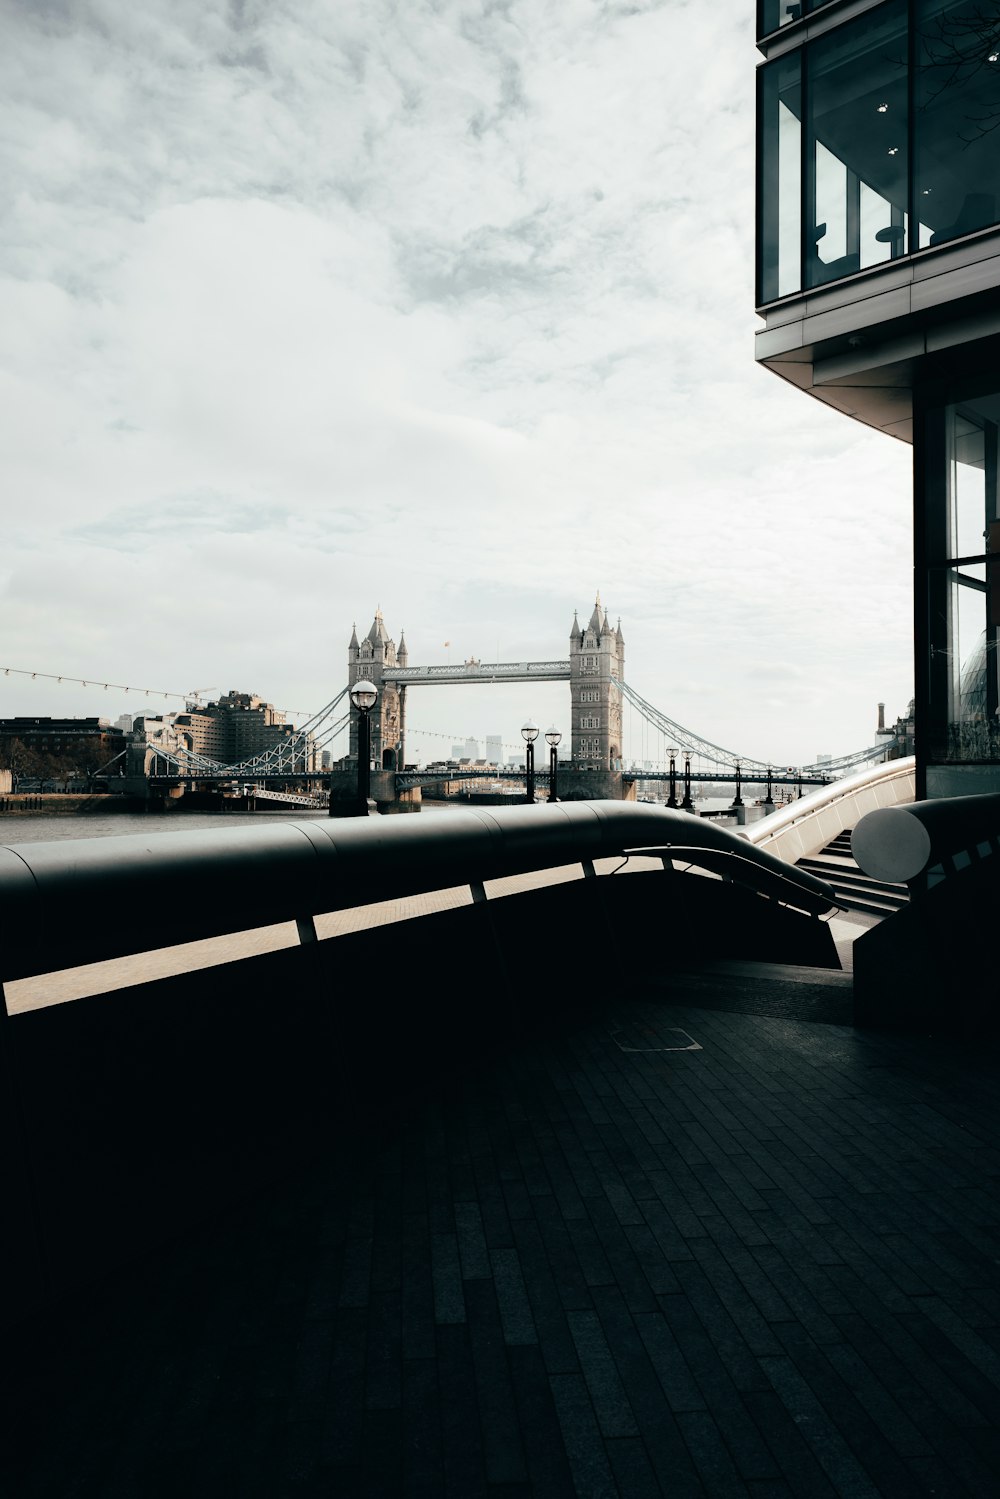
point(741, 868)
point(72, 903)
point(805, 826)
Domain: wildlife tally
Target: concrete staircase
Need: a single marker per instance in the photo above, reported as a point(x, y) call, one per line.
point(856, 891)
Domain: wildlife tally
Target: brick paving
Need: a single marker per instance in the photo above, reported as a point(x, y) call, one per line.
point(677, 1250)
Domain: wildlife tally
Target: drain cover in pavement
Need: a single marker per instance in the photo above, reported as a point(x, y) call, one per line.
point(637, 1035)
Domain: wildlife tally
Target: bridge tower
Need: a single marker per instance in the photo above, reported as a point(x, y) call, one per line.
point(367, 659)
point(596, 658)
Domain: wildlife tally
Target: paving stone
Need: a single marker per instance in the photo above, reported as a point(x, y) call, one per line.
point(462, 1455)
point(611, 1404)
point(515, 1309)
point(504, 1457)
point(545, 1301)
point(545, 1455)
point(584, 1446)
point(446, 1277)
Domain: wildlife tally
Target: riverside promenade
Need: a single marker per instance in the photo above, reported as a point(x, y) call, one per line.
point(705, 1239)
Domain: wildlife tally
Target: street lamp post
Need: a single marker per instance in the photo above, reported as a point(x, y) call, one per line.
point(687, 805)
point(552, 738)
point(672, 798)
point(363, 696)
point(529, 733)
point(737, 799)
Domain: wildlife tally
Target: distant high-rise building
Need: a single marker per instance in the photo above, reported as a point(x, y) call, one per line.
point(457, 751)
point(494, 749)
point(471, 750)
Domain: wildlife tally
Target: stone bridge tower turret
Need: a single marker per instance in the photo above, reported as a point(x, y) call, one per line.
point(368, 658)
point(597, 661)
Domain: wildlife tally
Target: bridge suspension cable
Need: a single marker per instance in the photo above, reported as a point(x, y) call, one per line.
point(684, 738)
point(848, 762)
point(706, 750)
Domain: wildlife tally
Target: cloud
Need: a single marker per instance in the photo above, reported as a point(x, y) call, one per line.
point(448, 306)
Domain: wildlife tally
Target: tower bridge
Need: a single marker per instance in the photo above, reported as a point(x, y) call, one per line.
point(595, 671)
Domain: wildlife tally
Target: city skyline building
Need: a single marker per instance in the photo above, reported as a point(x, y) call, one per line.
point(86, 744)
point(878, 280)
point(231, 729)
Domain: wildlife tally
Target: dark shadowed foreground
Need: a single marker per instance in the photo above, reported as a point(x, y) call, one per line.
point(691, 1246)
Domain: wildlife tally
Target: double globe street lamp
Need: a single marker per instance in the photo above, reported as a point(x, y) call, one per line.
point(529, 733)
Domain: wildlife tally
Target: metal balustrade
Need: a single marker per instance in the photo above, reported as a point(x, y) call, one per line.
point(69, 904)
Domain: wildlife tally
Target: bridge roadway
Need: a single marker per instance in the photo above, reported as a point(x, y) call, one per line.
point(602, 1265)
point(408, 779)
point(478, 671)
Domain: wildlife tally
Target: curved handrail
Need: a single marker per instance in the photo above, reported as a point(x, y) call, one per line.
point(814, 801)
point(77, 902)
point(807, 825)
point(803, 891)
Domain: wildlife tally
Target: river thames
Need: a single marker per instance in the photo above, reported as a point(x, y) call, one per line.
point(51, 827)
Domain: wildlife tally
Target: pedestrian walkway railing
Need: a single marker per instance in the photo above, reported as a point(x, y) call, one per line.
point(743, 869)
point(803, 827)
point(67, 904)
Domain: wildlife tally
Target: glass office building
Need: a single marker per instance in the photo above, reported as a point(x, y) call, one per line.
point(878, 280)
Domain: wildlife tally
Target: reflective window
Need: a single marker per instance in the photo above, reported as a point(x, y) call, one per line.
point(963, 594)
point(780, 155)
point(844, 122)
point(856, 156)
point(956, 118)
point(773, 14)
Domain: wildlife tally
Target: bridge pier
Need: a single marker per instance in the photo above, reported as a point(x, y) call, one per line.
point(594, 785)
point(387, 799)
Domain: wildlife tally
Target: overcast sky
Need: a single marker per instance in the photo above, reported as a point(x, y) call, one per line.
point(443, 305)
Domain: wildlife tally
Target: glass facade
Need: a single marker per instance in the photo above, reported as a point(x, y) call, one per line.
point(773, 14)
point(956, 114)
point(889, 119)
point(780, 181)
point(959, 538)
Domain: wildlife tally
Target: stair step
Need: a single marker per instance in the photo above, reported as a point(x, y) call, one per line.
point(852, 901)
point(853, 877)
point(855, 891)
